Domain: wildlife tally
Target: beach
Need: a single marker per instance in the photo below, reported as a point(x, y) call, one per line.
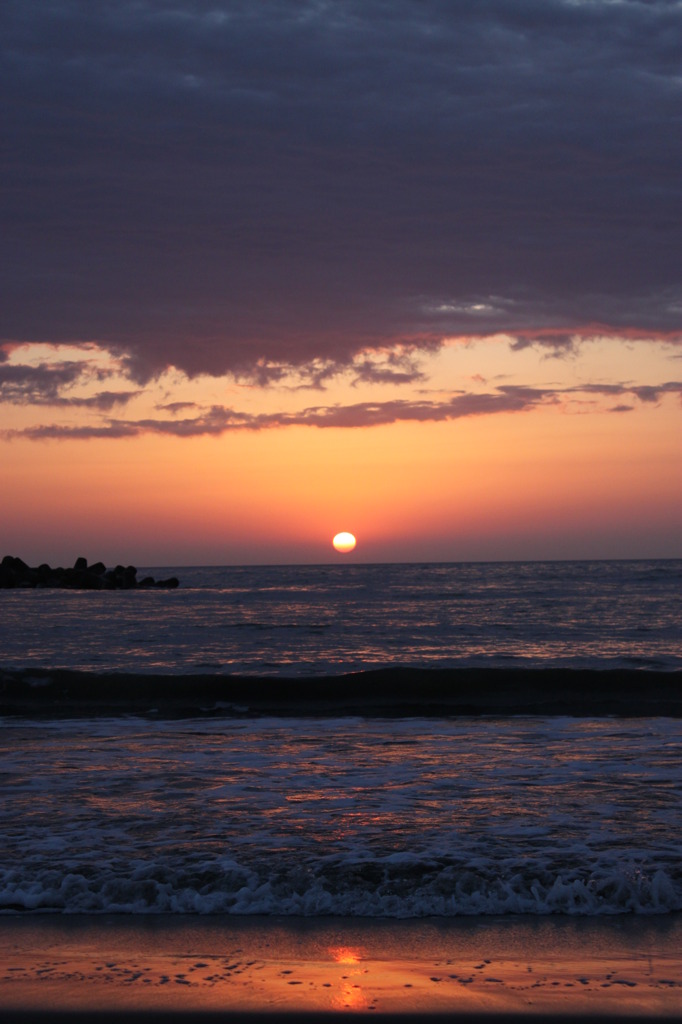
point(624, 967)
point(442, 790)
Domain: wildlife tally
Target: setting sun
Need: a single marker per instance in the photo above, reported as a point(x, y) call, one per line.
point(344, 542)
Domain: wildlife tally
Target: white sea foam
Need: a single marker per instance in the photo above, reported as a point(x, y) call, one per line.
point(380, 818)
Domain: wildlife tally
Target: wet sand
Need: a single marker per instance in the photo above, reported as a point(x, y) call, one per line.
point(623, 967)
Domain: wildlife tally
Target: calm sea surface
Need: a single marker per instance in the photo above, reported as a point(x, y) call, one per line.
point(319, 620)
point(354, 816)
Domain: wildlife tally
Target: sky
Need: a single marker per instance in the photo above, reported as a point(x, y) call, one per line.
point(273, 269)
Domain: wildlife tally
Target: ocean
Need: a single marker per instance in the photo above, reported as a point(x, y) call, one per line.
point(143, 771)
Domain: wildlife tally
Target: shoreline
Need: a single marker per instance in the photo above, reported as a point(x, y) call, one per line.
point(382, 693)
point(625, 966)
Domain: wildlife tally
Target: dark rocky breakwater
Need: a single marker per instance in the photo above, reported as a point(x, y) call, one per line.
point(14, 572)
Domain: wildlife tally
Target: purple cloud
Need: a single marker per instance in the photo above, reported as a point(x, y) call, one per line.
point(396, 368)
point(36, 384)
point(43, 384)
point(219, 419)
point(174, 408)
point(242, 187)
point(644, 392)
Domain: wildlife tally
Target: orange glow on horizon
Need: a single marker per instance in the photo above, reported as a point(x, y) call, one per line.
point(576, 484)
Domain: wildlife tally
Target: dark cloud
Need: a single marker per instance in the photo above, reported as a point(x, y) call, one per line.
point(174, 408)
point(397, 368)
point(227, 186)
point(400, 366)
point(558, 343)
point(103, 400)
point(647, 393)
point(219, 419)
point(44, 384)
point(563, 343)
point(644, 392)
point(39, 385)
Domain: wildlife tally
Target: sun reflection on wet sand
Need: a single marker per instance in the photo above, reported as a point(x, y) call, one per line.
point(350, 994)
point(345, 955)
point(529, 967)
point(350, 997)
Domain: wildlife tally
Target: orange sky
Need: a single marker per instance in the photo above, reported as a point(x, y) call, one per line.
point(569, 478)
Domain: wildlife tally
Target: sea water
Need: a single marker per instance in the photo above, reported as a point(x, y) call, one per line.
point(322, 620)
point(402, 817)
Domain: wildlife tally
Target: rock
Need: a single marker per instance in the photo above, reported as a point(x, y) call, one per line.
point(14, 572)
point(86, 581)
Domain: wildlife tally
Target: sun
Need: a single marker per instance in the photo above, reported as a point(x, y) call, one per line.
point(344, 542)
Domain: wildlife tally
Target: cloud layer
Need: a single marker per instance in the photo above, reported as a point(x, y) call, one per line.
point(237, 187)
point(219, 419)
